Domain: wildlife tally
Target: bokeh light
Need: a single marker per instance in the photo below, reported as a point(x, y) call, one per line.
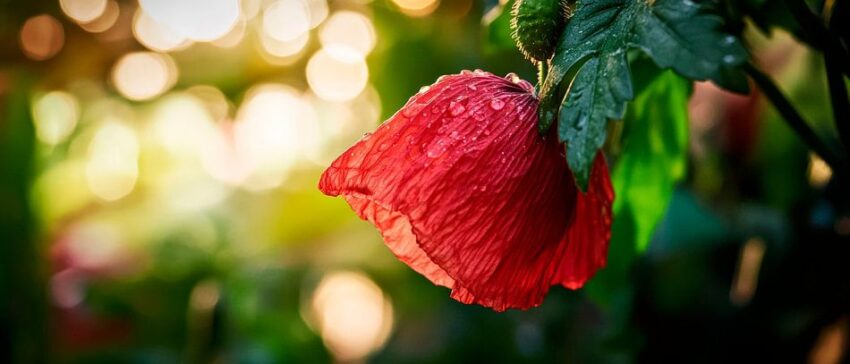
point(348, 29)
point(83, 11)
point(284, 52)
point(318, 11)
point(233, 37)
point(274, 128)
point(352, 314)
point(337, 73)
point(55, 115)
point(286, 20)
point(41, 37)
point(106, 20)
point(156, 36)
point(144, 75)
point(417, 8)
point(198, 20)
point(112, 167)
point(819, 172)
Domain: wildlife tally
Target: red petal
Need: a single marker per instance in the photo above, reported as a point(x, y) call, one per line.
point(465, 191)
point(590, 230)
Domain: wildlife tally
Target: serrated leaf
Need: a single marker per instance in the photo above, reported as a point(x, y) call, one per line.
point(678, 34)
point(599, 93)
point(596, 40)
point(686, 36)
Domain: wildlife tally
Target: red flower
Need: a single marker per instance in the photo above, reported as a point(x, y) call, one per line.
point(465, 191)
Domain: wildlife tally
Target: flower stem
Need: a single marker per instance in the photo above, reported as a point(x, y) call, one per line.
point(792, 116)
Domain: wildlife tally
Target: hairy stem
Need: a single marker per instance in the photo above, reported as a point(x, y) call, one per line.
point(542, 71)
point(792, 116)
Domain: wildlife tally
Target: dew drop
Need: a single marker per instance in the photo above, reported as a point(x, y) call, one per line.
point(472, 87)
point(424, 89)
point(383, 147)
point(512, 77)
point(436, 149)
point(729, 59)
point(728, 40)
point(497, 104)
point(456, 108)
point(479, 115)
point(454, 135)
point(438, 108)
point(412, 109)
point(466, 72)
point(483, 188)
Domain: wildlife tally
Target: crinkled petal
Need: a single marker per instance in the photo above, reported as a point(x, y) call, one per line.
point(465, 191)
point(587, 238)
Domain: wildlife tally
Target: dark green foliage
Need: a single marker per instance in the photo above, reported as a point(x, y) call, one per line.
point(682, 35)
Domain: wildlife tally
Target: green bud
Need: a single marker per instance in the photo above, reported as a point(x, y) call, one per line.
point(537, 25)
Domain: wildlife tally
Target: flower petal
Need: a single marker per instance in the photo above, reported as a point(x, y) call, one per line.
point(589, 232)
point(465, 191)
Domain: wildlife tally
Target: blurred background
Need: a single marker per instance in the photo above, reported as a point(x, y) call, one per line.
point(158, 202)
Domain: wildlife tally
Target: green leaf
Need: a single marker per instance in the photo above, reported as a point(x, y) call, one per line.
point(595, 43)
point(654, 154)
point(685, 35)
point(677, 34)
point(653, 159)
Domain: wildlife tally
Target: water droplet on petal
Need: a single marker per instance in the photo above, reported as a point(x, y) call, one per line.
point(436, 149)
point(438, 108)
point(383, 146)
point(483, 188)
point(412, 109)
point(456, 108)
point(454, 135)
point(472, 87)
point(729, 40)
point(479, 115)
point(497, 104)
point(512, 77)
point(729, 59)
point(466, 72)
point(424, 89)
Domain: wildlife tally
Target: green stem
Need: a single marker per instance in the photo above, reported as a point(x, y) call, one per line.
point(792, 116)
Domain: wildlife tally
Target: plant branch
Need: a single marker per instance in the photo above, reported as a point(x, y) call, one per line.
point(821, 37)
point(839, 100)
point(792, 116)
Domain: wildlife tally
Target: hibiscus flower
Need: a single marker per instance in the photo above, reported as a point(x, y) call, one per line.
point(466, 192)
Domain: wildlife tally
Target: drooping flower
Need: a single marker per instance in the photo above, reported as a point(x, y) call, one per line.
point(466, 192)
